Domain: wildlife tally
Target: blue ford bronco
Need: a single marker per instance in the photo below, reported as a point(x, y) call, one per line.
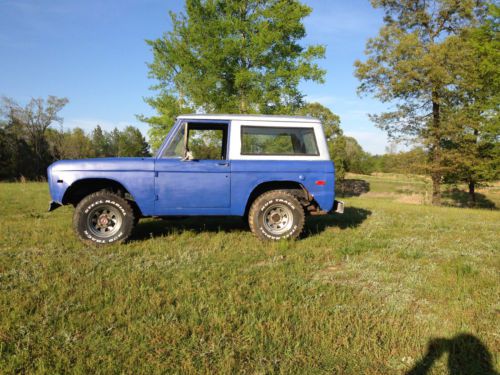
point(272, 170)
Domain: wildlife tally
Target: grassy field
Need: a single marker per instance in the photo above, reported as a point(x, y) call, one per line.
point(393, 286)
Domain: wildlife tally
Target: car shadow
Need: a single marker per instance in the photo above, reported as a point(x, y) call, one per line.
point(351, 218)
point(466, 355)
point(151, 228)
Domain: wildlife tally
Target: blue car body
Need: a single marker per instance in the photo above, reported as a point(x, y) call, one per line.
point(163, 186)
point(173, 187)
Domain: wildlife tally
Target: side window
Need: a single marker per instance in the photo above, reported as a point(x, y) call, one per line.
point(266, 140)
point(207, 141)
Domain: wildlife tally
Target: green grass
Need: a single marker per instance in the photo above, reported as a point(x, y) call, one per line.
point(363, 293)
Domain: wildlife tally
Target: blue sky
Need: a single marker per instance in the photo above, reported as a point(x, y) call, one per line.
point(93, 52)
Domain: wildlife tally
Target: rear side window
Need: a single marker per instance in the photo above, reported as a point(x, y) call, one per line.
point(260, 140)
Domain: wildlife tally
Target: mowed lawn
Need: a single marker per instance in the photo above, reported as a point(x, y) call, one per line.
point(392, 286)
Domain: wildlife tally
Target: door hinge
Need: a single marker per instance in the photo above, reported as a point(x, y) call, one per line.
point(156, 174)
point(156, 197)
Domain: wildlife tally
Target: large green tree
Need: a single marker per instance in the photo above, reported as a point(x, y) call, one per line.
point(473, 151)
point(231, 56)
point(412, 64)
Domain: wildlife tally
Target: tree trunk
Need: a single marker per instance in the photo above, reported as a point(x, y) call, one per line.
point(436, 151)
point(243, 105)
point(472, 193)
point(436, 189)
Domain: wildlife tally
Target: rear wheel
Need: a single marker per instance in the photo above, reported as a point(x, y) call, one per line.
point(276, 215)
point(103, 218)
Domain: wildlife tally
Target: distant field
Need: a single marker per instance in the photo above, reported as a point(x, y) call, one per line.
point(363, 293)
point(418, 190)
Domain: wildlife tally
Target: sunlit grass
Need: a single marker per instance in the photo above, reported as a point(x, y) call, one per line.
point(362, 293)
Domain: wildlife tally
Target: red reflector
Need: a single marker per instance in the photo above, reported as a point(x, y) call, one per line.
point(320, 182)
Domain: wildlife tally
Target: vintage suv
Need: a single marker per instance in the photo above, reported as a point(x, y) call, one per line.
point(273, 170)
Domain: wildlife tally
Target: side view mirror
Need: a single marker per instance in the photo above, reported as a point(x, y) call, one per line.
point(188, 155)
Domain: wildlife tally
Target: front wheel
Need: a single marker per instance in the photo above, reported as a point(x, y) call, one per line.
point(103, 218)
point(276, 215)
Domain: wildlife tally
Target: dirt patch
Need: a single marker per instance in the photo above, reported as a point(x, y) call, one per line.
point(411, 199)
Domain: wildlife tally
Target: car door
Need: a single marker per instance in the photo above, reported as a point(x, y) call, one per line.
point(200, 184)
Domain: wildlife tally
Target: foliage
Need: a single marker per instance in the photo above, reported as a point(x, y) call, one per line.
point(132, 143)
point(405, 162)
point(29, 143)
point(413, 64)
point(168, 108)
point(361, 294)
point(28, 125)
point(355, 158)
point(233, 57)
point(329, 120)
point(473, 151)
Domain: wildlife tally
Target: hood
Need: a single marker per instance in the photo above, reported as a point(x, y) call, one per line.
point(104, 164)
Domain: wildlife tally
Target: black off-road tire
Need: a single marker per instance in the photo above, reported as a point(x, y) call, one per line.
point(136, 210)
point(276, 215)
point(103, 205)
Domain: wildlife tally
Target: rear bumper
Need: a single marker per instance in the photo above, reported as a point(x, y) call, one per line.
point(338, 207)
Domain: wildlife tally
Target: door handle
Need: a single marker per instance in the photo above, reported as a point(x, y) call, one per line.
point(223, 163)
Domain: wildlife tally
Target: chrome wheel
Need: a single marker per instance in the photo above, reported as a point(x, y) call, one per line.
point(278, 218)
point(104, 221)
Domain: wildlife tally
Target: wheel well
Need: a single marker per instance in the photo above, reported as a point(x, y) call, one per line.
point(81, 188)
point(292, 186)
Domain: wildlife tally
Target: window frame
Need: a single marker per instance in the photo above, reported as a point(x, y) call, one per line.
point(178, 128)
point(200, 122)
point(278, 127)
point(211, 126)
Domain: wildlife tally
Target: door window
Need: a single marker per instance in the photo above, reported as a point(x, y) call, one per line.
point(204, 141)
point(207, 141)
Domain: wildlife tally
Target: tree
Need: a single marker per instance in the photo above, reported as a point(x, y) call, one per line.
point(100, 142)
point(473, 152)
point(114, 142)
point(31, 123)
point(76, 145)
point(406, 162)
point(132, 143)
point(412, 64)
point(231, 56)
point(329, 120)
point(355, 158)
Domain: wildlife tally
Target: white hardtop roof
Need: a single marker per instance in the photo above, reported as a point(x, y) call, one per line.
point(274, 118)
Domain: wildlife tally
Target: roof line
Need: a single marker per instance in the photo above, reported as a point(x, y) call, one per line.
point(255, 117)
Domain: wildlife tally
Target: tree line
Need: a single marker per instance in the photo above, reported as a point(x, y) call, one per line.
point(30, 142)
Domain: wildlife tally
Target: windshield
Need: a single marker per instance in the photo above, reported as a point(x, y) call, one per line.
point(175, 147)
